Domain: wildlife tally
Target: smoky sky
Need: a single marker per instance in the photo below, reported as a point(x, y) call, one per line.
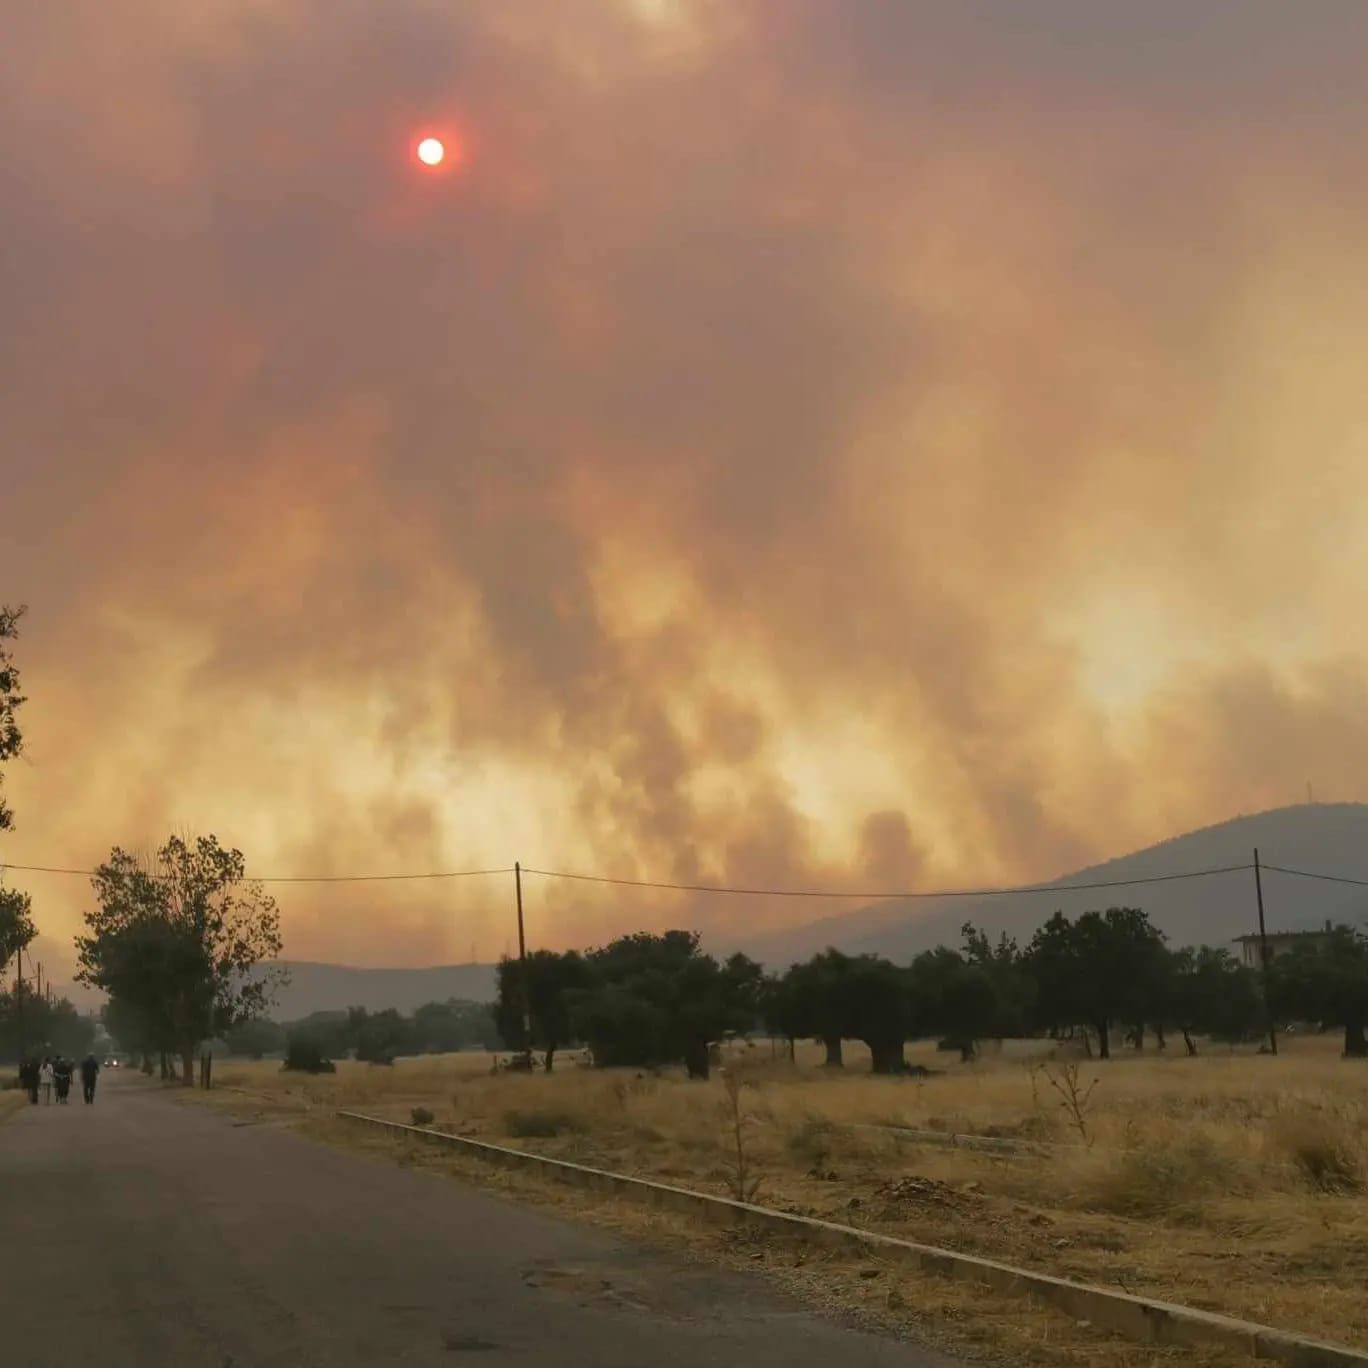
point(805, 443)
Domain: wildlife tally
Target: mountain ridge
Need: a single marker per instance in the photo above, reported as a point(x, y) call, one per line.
point(1327, 838)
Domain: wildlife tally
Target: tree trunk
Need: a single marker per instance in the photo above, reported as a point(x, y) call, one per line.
point(550, 1056)
point(886, 1057)
point(967, 1051)
point(187, 1068)
point(1190, 1043)
point(1103, 1040)
point(834, 1059)
point(1355, 1043)
point(1159, 1038)
point(696, 1059)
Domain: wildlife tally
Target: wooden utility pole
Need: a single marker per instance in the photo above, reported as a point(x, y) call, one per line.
point(1264, 958)
point(523, 972)
point(19, 1003)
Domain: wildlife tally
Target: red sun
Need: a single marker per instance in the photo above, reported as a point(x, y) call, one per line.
point(431, 151)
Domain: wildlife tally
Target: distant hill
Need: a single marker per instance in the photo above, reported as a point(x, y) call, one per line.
point(1329, 838)
point(321, 987)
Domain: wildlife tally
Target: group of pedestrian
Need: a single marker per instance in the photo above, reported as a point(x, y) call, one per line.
point(51, 1079)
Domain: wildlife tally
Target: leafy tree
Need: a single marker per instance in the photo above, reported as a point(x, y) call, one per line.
point(132, 1030)
point(1212, 994)
point(441, 1027)
point(880, 1004)
point(821, 1001)
point(1005, 968)
point(955, 998)
point(713, 1002)
point(655, 999)
point(779, 1009)
point(379, 1036)
point(329, 1029)
point(256, 1038)
point(16, 922)
point(304, 1054)
point(1327, 983)
point(182, 941)
point(11, 700)
point(54, 1025)
point(553, 979)
point(1104, 968)
point(623, 1027)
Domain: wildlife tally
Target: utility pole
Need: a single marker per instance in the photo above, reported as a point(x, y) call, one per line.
point(522, 961)
point(1264, 958)
point(19, 1004)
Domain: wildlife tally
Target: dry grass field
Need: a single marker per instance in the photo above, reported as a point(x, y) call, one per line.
point(1233, 1181)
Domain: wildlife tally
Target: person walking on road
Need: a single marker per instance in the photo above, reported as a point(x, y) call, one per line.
point(90, 1071)
point(45, 1080)
point(61, 1077)
point(28, 1078)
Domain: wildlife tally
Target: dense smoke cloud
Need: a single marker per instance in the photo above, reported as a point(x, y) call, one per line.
point(854, 444)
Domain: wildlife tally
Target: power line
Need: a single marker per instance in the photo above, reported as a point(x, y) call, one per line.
point(384, 878)
point(740, 891)
point(885, 893)
point(292, 878)
point(1327, 878)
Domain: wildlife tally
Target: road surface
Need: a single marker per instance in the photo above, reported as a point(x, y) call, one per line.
point(142, 1232)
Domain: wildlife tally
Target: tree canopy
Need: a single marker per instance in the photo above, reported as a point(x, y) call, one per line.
point(1103, 969)
point(552, 981)
point(180, 940)
point(641, 1000)
point(47, 1025)
point(1327, 982)
point(16, 921)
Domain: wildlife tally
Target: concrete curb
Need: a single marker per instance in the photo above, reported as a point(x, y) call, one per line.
point(1137, 1318)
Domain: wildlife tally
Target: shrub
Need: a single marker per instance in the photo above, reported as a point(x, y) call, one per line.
point(422, 1117)
point(1323, 1151)
point(1159, 1178)
point(538, 1124)
point(303, 1054)
point(814, 1140)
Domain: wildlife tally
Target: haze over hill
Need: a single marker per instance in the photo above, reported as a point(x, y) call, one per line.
point(324, 987)
point(1329, 838)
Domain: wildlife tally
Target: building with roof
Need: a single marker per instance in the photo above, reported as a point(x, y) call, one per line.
point(1280, 942)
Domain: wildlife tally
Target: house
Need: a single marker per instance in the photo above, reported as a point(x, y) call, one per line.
point(1279, 943)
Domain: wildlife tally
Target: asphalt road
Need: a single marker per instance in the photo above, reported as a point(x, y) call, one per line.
point(141, 1232)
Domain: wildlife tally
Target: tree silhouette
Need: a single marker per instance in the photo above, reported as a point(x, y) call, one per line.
point(181, 940)
point(1327, 982)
